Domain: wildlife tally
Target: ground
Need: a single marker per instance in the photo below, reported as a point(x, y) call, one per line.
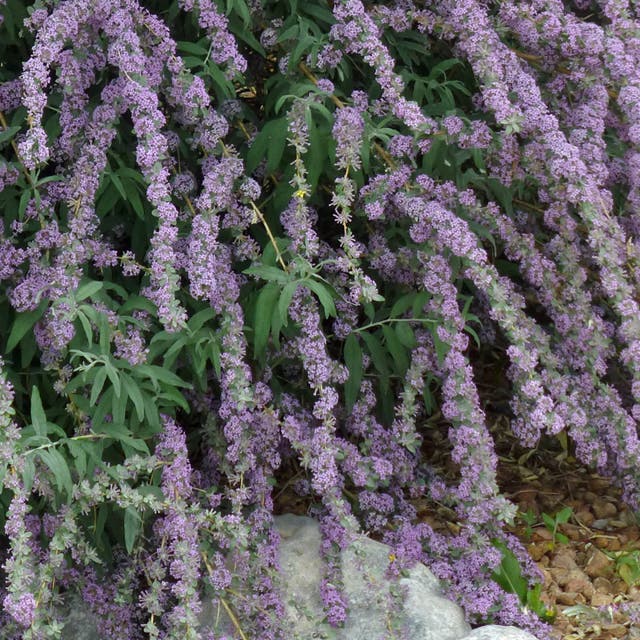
point(590, 577)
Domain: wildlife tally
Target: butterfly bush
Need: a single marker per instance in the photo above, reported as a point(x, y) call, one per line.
point(254, 249)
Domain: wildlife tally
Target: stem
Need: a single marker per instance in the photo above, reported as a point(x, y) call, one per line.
point(271, 238)
point(14, 146)
point(92, 436)
point(232, 615)
point(390, 320)
point(224, 603)
point(262, 219)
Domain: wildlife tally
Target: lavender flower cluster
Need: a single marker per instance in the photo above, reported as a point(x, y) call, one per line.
point(289, 214)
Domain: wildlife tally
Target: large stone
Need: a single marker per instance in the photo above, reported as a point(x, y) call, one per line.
point(415, 604)
point(411, 608)
point(79, 623)
point(495, 632)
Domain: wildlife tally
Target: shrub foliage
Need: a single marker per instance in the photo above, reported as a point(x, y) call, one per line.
point(249, 243)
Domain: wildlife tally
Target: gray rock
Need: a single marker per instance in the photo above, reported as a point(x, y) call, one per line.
point(414, 605)
point(495, 632)
point(301, 571)
point(79, 622)
point(412, 608)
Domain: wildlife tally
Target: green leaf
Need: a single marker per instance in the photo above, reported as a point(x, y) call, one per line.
point(136, 202)
point(429, 401)
point(442, 348)
point(8, 133)
point(353, 360)
point(378, 354)
point(133, 391)
point(117, 183)
point(28, 473)
point(316, 157)
point(101, 520)
point(563, 515)
point(285, 301)
point(175, 398)
point(509, 576)
point(98, 383)
point(419, 303)
point(22, 324)
point(549, 522)
point(266, 272)
point(246, 36)
point(105, 334)
point(87, 290)
point(198, 319)
point(269, 255)
point(174, 351)
point(303, 45)
point(113, 376)
point(405, 335)
point(152, 416)
point(473, 333)
point(159, 373)
point(58, 465)
point(151, 490)
point(270, 143)
point(121, 433)
point(262, 317)
point(629, 570)
point(138, 302)
point(402, 305)
point(107, 201)
point(79, 454)
point(289, 33)
point(324, 295)
point(24, 201)
point(193, 48)
point(320, 13)
point(276, 326)
point(86, 326)
point(28, 348)
point(38, 416)
point(118, 407)
point(395, 348)
point(132, 526)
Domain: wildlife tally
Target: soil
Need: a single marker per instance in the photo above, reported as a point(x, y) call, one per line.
point(592, 576)
point(592, 568)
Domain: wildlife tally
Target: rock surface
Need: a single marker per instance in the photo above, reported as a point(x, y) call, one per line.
point(495, 632)
point(411, 609)
point(424, 614)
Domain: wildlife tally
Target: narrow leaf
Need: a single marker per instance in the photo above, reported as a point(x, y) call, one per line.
point(285, 301)
point(58, 465)
point(353, 360)
point(262, 318)
point(38, 416)
point(132, 526)
point(133, 391)
point(87, 290)
point(326, 299)
point(22, 324)
point(98, 383)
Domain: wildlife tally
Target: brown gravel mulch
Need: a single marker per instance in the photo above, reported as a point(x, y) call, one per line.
point(586, 582)
point(592, 577)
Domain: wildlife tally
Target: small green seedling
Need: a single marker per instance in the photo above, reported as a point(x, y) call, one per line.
point(529, 518)
point(628, 566)
point(552, 524)
point(509, 576)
